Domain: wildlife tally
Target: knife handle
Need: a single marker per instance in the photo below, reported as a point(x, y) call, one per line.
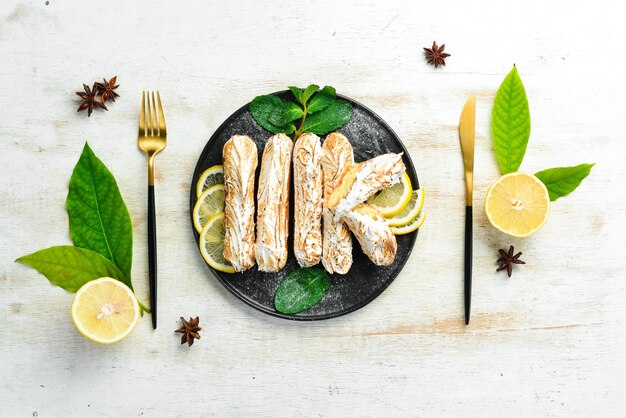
point(468, 263)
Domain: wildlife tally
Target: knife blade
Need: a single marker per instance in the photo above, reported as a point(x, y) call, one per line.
point(467, 132)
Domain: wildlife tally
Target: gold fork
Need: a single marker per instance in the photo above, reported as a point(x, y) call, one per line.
point(151, 140)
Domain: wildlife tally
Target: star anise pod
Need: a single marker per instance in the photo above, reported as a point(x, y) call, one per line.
point(90, 101)
point(189, 330)
point(435, 55)
point(507, 259)
point(107, 89)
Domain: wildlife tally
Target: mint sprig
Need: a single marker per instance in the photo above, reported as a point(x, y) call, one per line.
point(318, 112)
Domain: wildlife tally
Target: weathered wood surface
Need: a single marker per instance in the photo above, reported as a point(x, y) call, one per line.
point(549, 341)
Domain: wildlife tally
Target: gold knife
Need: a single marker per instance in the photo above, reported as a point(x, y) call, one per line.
point(467, 132)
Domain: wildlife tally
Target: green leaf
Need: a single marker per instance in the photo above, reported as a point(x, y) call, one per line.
point(261, 108)
point(561, 181)
point(333, 117)
point(510, 123)
point(297, 93)
point(301, 289)
point(322, 99)
point(71, 267)
point(285, 113)
point(308, 92)
point(98, 217)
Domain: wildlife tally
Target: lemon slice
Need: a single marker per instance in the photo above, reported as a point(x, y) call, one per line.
point(417, 222)
point(410, 211)
point(211, 201)
point(105, 310)
point(210, 177)
point(394, 199)
point(517, 204)
point(212, 244)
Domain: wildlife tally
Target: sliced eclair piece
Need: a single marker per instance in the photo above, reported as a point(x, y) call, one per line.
point(307, 180)
point(272, 225)
point(363, 180)
point(373, 233)
point(337, 158)
point(240, 162)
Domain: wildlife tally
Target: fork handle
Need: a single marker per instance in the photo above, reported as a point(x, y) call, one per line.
point(152, 256)
point(468, 263)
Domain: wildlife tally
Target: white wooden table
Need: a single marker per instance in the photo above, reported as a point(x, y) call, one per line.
point(549, 341)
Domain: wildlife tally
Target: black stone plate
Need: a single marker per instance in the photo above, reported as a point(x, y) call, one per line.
point(370, 136)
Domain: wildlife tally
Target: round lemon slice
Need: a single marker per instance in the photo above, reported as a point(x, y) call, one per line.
point(411, 210)
point(394, 199)
point(517, 204)
point(105, 310)
point(211, 201)
point(210, 177)
point(212, 244)
point(417, 222)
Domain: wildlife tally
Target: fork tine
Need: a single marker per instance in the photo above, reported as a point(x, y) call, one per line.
point(150, 126)
point(155, 127)
point(162, 130)
point(142, 115)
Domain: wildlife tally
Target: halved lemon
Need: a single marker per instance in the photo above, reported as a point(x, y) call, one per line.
point(394, 199)
point(212, 244)
point(105, 310)
point(417, 222)
point(410, 211)
point(211, 201)
point(517, 204)
point(210, 177)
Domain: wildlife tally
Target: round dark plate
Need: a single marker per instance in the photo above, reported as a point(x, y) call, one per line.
point(370, 136)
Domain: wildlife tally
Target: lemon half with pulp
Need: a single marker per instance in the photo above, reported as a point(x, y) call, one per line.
point(517, 204)
point(105, 310)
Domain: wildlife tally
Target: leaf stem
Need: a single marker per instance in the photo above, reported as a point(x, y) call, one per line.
point(299, 130)
point(143, 307)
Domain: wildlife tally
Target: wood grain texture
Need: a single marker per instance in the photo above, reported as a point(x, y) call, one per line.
point(547, 342)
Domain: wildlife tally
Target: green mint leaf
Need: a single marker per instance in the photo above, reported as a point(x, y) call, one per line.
point(289, 128)
point(297, 93)
point(308, 92)
point(98, 217)
point(285, 113)
point(333, 117)
point(71, 267)
point(301, 289)
point(561, 181)
point(261, 108)
point(322, 99)
point(510, 123)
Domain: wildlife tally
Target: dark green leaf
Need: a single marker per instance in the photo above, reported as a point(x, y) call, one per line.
point(510, 123)
point(98, 217)
point(561, 181)
point(285, 113)
point(261, 108)
point(301, 289)
point(322, 99)
point(289, 128)
point(297, 93)
point(333, 117)
point(308, 92)
point(71, 267)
